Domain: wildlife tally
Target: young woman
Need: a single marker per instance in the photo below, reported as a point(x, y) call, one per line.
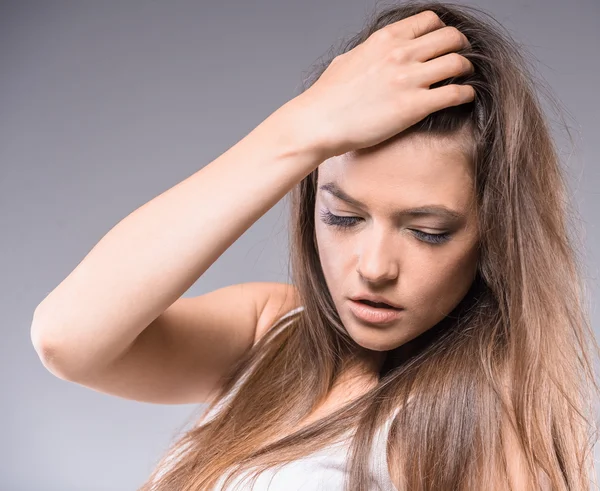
point(435, 336)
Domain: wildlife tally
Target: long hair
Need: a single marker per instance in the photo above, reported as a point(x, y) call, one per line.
point(515, 353)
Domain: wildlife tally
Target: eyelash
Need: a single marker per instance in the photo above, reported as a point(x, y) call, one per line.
point(347, 222)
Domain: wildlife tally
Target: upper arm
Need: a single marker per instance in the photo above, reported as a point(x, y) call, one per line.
point(183, 355)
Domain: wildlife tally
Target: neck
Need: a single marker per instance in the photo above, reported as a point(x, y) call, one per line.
point(366, 364)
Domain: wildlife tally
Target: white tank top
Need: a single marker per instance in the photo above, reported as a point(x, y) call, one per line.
point(322, 470)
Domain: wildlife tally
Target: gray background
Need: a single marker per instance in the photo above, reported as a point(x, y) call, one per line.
point(105, 105)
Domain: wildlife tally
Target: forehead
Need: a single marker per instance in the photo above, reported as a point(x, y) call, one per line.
point(414, 169)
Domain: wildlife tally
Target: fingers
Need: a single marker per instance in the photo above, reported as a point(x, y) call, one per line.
point(449, 65)
point(436, 43)
point(428, 34)
point(416, 25)
point(448, 95)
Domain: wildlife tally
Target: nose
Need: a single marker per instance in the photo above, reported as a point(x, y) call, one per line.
point(376, 261)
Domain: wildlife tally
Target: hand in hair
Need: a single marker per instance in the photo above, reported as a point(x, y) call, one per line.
point(382, 86)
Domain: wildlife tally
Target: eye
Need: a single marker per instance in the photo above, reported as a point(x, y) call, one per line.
point(347, 222)
point(338, 221)
point(433, 239)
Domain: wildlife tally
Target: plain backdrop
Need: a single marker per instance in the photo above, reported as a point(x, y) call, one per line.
point(105, 105)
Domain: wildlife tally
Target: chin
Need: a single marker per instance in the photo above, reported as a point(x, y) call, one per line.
point(373, 338)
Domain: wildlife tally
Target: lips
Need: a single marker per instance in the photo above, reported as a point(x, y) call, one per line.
point(376, 301)
point(374, 315)
point(377, 304)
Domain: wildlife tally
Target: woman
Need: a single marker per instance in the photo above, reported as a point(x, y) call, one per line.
point(435, 337)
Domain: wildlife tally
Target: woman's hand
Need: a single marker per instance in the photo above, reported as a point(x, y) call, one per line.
point(381, 87)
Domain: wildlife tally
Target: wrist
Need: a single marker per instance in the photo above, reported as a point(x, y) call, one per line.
point(297, 132)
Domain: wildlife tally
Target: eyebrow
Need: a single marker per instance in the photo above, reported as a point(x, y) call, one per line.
point(426, 210)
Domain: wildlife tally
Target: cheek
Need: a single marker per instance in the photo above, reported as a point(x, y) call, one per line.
point(441, 283)
point(337, 261)
point(331, 252)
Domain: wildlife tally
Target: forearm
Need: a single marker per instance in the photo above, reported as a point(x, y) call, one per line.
point(152, 256)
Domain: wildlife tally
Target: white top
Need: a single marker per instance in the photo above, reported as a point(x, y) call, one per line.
point(322, 470)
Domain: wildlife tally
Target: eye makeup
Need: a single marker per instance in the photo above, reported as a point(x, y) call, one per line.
point(344, 222)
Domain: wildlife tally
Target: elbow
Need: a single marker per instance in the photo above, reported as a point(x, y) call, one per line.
point(49, 351)
point(49, 356)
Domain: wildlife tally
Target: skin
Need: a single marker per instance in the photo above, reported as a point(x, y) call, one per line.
point(380, 254)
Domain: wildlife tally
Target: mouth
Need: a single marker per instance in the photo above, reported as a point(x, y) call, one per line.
point(377, 304)
point(374, 312)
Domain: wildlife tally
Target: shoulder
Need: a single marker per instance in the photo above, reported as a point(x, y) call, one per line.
point(283, 302)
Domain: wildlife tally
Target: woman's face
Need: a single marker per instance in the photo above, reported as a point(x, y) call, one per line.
point(383, 250)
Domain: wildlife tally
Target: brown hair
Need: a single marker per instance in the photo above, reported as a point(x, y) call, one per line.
point(513, 358)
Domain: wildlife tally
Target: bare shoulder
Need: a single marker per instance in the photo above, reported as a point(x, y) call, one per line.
point(283, 298)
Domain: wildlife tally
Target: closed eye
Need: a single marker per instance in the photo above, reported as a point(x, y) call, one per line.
point(344, 222)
